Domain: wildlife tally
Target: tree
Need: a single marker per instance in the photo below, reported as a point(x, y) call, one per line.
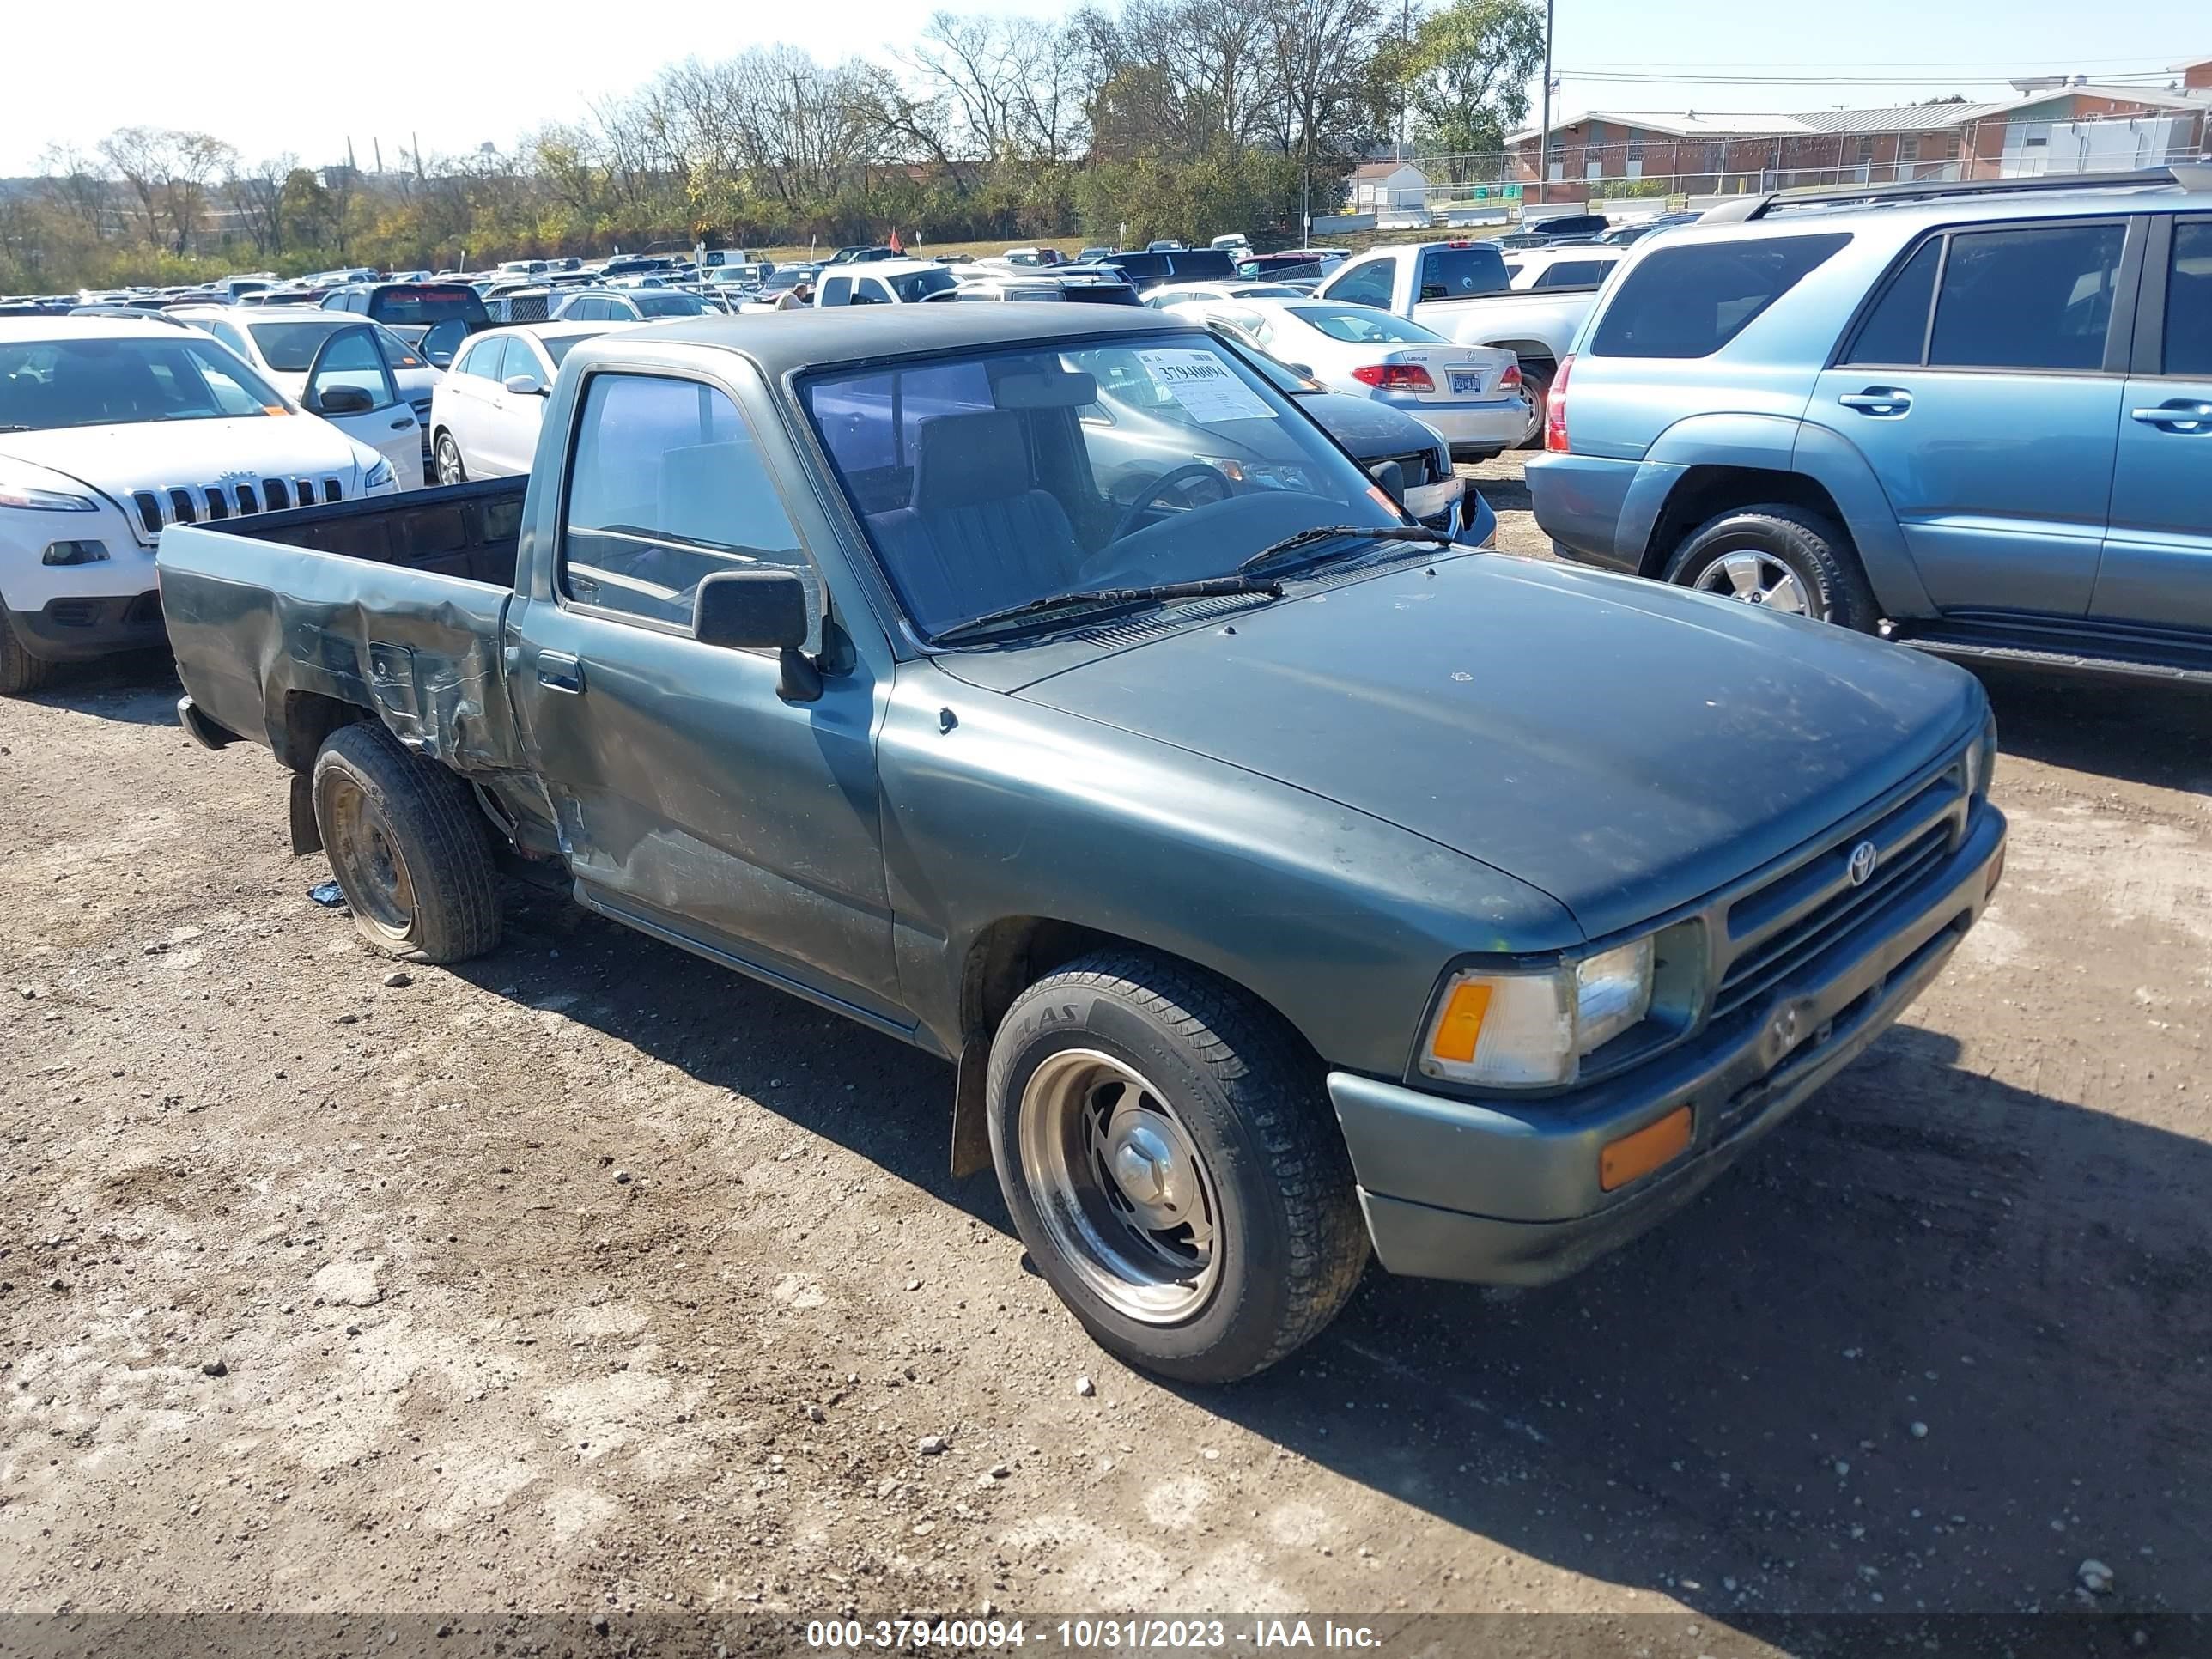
point(1465, 75)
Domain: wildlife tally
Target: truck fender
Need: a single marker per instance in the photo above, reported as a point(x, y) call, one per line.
point(1761, 442)
point(1836, 464)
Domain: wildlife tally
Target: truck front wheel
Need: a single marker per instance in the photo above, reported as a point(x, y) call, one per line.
point(1172, 1162)
point(408, 847)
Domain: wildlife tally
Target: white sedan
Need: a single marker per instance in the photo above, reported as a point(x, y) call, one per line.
point(1168, 297)
point(1471, 394)
point(485, 415)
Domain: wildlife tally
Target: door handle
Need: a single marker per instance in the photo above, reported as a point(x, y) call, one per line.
point(1878, 400)
point(2180, 415)
point(559, 671)
point(405, 423)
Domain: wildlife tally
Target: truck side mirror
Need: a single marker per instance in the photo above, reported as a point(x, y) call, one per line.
point(760, 611)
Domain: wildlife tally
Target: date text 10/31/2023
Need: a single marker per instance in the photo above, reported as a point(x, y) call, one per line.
point(1084, 1635)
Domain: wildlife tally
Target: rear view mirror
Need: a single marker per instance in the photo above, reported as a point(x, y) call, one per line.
point(1071, 389)
point(526, 386)
point(760, 611)
point(344, 400)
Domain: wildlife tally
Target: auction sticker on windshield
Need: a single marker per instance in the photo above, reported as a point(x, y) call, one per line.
point(1204, 385)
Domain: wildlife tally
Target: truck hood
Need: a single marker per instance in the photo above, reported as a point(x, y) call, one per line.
point(1625, 746)
point(165, 454)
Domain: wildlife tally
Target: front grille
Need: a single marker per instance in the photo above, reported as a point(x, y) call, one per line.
point(1795, 917)
point(158, 509)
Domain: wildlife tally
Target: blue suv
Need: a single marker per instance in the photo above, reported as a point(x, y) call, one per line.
point(1974, 417)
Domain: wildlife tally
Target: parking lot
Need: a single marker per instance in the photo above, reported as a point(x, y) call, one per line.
point(586, 1278)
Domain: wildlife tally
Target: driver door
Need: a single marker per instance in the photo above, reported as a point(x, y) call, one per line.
point(349, 368)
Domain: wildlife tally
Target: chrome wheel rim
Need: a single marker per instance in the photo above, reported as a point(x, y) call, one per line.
point(1125, 1198)
point(449, 462)
point(368, 861)
point(1755, 577)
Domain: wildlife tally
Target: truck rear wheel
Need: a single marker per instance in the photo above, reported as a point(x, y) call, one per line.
point(408, 847)
point(1171, 1160)
point(1535, 399)
point(20, 671)
point(1783, 558)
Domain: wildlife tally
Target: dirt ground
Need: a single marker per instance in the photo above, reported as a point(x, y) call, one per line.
point(588, 1279)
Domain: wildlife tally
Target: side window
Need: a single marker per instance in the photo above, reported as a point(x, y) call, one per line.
point(485, 360)
point(2189, 301)
point(521, 359)
point(870, 292)
point(2032, 298)
point(837, 291)
point(869, 425)
point(350, 358)
point(234, 337)
point(1896, 330)
point(397, 351)
point(1691, 301)
point(667, 488)
point(1364, 284)
point(1574, 273)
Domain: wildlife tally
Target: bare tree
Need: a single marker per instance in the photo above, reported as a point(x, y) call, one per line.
point(256, 197)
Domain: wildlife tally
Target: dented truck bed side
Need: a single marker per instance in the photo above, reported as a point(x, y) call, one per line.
point(381, 605)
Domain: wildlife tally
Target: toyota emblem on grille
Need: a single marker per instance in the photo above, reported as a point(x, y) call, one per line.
point(1863, 862)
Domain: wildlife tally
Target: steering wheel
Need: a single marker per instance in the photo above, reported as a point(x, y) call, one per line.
point(1189, 472)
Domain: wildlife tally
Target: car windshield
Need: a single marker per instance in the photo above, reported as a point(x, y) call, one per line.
point(1001, 478)
point(921, 285)
point(110, 382)
point(650, 304)
point(1363, 325)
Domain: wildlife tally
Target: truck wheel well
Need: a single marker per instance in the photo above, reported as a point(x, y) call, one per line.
point(1533, 354)
point(310, 717)
point(1706, 491)
point(1014, 952)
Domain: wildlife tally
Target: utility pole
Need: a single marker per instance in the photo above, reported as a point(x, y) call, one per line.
point(1544, 138)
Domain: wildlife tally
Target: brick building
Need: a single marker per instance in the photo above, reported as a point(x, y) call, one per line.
point(2057, 126)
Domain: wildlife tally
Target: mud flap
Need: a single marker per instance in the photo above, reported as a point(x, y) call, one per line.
point(971, 1128)
point(306, 834)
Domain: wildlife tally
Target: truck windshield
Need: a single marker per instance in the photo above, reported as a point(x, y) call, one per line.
point(45, 383)
point(1003, 476)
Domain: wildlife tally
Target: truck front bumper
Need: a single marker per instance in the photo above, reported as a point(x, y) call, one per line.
point(1508, 1193)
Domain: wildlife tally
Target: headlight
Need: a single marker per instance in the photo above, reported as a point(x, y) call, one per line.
point(1531, 1029)
point(378, 475)
point(1982, 762)
point(15, 493)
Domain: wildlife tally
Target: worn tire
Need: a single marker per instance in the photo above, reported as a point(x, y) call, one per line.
point(1290, 1239)
point(20, 671)
point(447, 458)
point(1812, 547)
point(422, 820)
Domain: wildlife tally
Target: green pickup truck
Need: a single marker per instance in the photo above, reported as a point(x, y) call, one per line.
point(1285, 881)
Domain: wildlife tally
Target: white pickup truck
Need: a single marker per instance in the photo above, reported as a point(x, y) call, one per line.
point(111, 431)
point(1462, 290)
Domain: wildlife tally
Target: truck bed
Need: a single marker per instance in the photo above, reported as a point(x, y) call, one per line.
point(468, 530)
point(285, 622)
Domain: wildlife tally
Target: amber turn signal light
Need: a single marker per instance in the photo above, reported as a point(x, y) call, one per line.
point(1634, 1156)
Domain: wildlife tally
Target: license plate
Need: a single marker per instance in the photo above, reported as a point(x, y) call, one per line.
point(1466, 386)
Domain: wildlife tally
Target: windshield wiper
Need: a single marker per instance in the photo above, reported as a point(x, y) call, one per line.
point(1355, 533)
point(1105, 599)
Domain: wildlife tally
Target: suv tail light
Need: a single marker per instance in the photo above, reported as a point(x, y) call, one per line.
point(1394, 377)
point(1555, 409)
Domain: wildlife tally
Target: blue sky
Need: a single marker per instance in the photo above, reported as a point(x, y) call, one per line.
point(257, 83)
